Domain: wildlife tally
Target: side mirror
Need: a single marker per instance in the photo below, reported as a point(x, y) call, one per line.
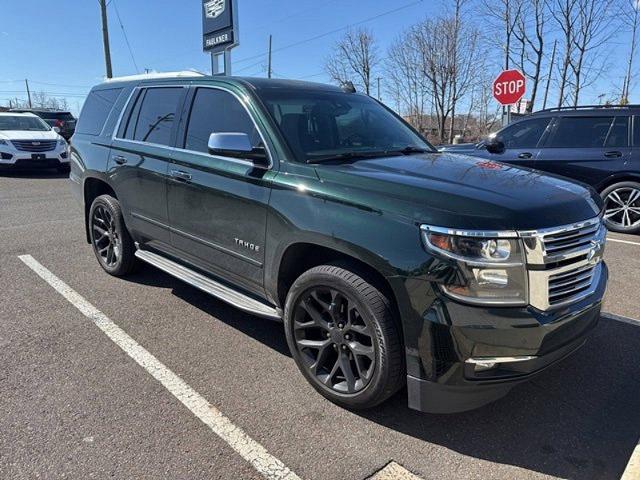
point(494, 145)
point(56, 129)
point(236, 145)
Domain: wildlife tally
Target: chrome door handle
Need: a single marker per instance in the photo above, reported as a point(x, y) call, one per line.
point(119, 159)
point(614, 154)
point(525, 155)
point(181, 175)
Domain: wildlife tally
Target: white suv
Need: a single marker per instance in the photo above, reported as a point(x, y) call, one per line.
point(26, 141)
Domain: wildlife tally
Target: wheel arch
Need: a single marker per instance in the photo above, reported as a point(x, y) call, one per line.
point(299, 257)
point(618, 178)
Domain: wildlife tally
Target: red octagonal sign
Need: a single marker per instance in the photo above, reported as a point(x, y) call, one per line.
point(509, 87)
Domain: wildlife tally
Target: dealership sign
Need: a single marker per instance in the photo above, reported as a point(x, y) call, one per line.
point(509, 87)
point(219, 25)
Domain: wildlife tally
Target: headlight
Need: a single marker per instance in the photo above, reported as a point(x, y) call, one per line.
point(3, 142)
point(62, 143)
point(491, 265)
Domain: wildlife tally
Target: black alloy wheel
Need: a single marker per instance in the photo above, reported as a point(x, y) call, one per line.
point(344, 336)
point(334, 340)
point(106, 240)
point(109, 236)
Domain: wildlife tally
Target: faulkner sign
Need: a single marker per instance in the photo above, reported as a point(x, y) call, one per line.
point(218, 25)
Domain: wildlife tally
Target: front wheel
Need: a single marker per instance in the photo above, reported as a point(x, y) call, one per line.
point(622, 207)
point(343, 337)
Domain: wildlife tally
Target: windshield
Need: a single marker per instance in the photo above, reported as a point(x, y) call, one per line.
point(323, 125)
point(16, 122)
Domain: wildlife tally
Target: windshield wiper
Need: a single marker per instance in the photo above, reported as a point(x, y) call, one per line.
point(348, 156)
point(409, 149)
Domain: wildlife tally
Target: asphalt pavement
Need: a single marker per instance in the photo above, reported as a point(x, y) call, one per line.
point(75, 403)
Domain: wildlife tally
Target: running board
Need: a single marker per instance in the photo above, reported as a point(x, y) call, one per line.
point(208, 285)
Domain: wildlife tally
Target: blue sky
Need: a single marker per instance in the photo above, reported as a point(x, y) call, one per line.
point(58, 45)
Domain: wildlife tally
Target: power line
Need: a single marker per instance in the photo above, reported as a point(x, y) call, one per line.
point(325, 34)
point(124, 32)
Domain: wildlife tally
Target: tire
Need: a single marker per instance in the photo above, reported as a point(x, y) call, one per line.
point(622, 207)
point(110, 238)
point(352, 327)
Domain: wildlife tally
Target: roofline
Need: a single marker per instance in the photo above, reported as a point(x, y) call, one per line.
point(156, 76)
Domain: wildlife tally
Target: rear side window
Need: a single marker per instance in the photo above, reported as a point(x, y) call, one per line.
point(618, 133)
point(580, 132)
point(524, 134)
point(154, 115)
point(636, 131)
point(217, 111)
point(96, 110)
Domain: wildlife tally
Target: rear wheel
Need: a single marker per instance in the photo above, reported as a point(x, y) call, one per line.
point(622, 207)
point(110, 238)
point(343, 337)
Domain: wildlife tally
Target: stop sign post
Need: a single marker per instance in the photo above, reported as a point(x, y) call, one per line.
point(508, 88)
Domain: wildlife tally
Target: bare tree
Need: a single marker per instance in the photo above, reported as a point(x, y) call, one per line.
point(406, 81)
point(630, 16)
point(502, 18)
point(529, 44)
point(354, 58)
point(564, 14)
point(43, 100)
point(594, 29)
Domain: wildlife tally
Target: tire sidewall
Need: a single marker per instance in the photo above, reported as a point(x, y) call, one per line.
point(606, 192)
point(377, 384)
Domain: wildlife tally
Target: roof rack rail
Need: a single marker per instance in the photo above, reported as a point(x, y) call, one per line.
point(588, 107)
point(155, 75)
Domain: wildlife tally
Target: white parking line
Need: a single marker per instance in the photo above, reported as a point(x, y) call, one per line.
point(253, 452)
point(632, 471)
point(609, 239)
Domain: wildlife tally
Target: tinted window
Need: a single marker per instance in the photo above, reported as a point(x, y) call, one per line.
point(580, 132)
point(157, 115)
point(96, 110)
point(636, 131)
point(217, 111)
point(524, 134)
point(55, 115)
point(618, 133)
point(325, 124)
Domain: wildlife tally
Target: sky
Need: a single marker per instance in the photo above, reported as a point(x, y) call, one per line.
point(58, 45)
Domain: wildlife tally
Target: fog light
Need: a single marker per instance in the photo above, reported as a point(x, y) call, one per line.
point(487, 363)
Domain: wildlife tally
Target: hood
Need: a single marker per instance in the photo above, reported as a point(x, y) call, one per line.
point(458, 191)
point(28, 135)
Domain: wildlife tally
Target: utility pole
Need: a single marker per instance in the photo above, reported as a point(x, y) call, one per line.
point(378, 79)
point(269, 65)
point(105, 38)
point(26, 82)
point(553, 59)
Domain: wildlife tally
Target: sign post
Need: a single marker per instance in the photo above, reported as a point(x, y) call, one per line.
point(219, 32)
point(508, 88)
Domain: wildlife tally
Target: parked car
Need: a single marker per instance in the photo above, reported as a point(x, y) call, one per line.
point(596, 145)
point(389, 263)
point(26, 141)
point(64, 121)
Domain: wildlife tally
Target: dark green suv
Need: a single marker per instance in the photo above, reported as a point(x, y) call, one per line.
point(389, 263)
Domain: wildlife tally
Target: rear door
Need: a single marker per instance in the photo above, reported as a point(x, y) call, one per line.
point(218, 205)
point(587, 148)
point(140, 157)
point(521, 141)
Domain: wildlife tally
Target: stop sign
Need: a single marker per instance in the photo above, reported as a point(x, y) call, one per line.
point(509, 87)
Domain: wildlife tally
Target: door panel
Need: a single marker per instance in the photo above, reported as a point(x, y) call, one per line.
point(217, 210)
point(588, 149)
point(140, 158)
point(521, 141)
point(140, 181)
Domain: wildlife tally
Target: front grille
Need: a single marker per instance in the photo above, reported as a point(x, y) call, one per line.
point(572, 285)
point(570, 240)
point(34, 145)
point(564, 262)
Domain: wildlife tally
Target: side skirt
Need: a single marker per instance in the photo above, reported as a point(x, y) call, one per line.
point(210, 286)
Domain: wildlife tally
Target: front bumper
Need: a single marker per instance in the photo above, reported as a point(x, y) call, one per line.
point(449, 366)
point(11, 158)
